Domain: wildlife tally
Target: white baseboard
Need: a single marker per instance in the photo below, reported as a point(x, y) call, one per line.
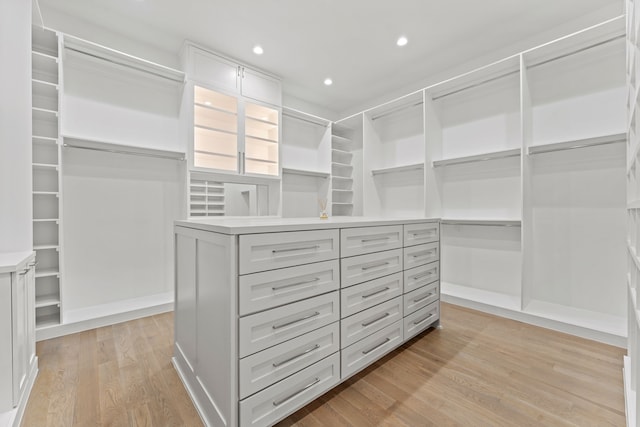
point(629, 394)
point(108, 314)
point(13, 418)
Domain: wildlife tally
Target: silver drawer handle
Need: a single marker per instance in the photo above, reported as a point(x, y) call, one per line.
point(420, 233)
point(375, 293)
point(377, 319)
point(308, 316)
point(417, 322)
point(429, 295)
point(307, 351)
point(380, 264)
point(420, 276)
point(292, 395)
point(376, 346)
point(275, 251)
point(277, 288)
point(374, 239)
point(423, 254)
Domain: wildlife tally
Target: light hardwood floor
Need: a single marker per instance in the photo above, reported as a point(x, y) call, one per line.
point(478, 370)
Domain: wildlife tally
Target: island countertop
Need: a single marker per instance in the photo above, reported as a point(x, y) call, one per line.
point(268, 224)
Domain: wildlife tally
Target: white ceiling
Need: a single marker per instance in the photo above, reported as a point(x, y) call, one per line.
point(351, 41)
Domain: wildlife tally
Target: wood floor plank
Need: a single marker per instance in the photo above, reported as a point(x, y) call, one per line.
point(478, 370)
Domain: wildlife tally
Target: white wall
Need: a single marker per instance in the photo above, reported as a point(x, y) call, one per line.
point(15, 126)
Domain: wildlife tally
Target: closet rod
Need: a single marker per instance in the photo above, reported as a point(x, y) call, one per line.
point(564, 146)
point(123, 64)
point(397, 110)
point(133, 153)
point(477, 84)
point(306, 120)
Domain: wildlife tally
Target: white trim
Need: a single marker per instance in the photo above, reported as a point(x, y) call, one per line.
point(629, 394)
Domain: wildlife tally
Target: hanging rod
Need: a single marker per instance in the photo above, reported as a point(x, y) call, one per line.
point(572, 145)
point(574, 52)
point(515, 152)
point(490, 223)
point(116, 57)
point(296, 114)
point(305, 120)
point(155, 153)
point(397, 110)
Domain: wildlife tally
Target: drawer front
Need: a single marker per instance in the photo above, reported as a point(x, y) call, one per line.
point(373, 347)
point(365, 295)
point(362, 268)
point(281, 399)
point(360, 241)
point(363, 324)
point(421, 297)
point(268, 251)
point(268, 289)
point(420, 276)
point(420, 320)
point(418, 234)
point(271, 327)
point(421, 254)
point(262, 369)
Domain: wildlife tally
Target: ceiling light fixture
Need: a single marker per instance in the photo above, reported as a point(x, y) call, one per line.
point(402, 41)
point(328, 81)
point(257, 49)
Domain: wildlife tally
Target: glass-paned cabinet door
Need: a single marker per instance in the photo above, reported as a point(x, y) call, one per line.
point(261, 139)
point(215, 133)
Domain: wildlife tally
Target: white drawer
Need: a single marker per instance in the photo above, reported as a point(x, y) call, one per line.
point(364, 240)
point(376, 345)
point(420, 320)
point(271, 327)
point(421, 254)
point(420, 276)
point(365, 295)
point(262, 369)
point(417, 234)
point(268, 251)
point(421, 297)
point(268, 289)
point(361, 268)
point(283, 398)
point(358, 326)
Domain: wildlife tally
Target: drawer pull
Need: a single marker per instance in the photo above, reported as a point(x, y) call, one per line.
point(376, 346)
point(275, 251)
point(420, 276)
point(292, 395)
point(377, 319)
point(428, 253)
point(374, 239)
point(375, 293)
point(380, 264)
point(420, 233)
point(308, 316)
point(429, 295)
point(307, 351)
point(277, 288)
point(417, 322)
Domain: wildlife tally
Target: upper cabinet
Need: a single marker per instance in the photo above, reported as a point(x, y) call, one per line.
point(233, 114)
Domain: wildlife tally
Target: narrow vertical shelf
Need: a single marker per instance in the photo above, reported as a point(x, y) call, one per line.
point(46, 168)
point(206, 196)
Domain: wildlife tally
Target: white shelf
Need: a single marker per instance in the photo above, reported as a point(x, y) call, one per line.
point(398, 169)
point(47, 272)
point(482, 222)
point(496, 155)
point(579, 143)
point(103, 53)
point(341, 139)
point(304, 172)
point(47, 321)
point(481, 296)
point(341, 204)
point(338, 190)
point(108, 147)
point(44, 114)
point(46, 193)
point(47, 220)
point(47, 301)
point(43, 247)
point(343, 178)
point(44, 139)
point(45, 166)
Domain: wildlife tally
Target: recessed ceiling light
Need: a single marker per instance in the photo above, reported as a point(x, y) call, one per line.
point(257, 49)
point(402, 41)
point(328, 81)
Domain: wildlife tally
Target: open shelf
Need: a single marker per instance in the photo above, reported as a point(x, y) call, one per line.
point(43, 247)
point(316, 174)
point(398, 169)
point(44, 114)
point(515, 152)
point(576, 144)
point(44, 166)
point(103, 146)
point(47, 301)
point(47, 321)
point(47, 272)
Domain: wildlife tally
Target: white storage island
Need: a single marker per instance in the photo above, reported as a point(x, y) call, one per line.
point(270, 313)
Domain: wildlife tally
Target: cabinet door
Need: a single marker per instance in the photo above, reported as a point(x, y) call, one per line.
point(19, 308)
point(261, 139)
point(213, 70)
point(215, 130)
point(261, 87)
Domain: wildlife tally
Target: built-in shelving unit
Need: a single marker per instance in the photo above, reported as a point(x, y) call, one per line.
point(206, 196)
point(632, 169)
point(347, 167)
point(46, 166)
